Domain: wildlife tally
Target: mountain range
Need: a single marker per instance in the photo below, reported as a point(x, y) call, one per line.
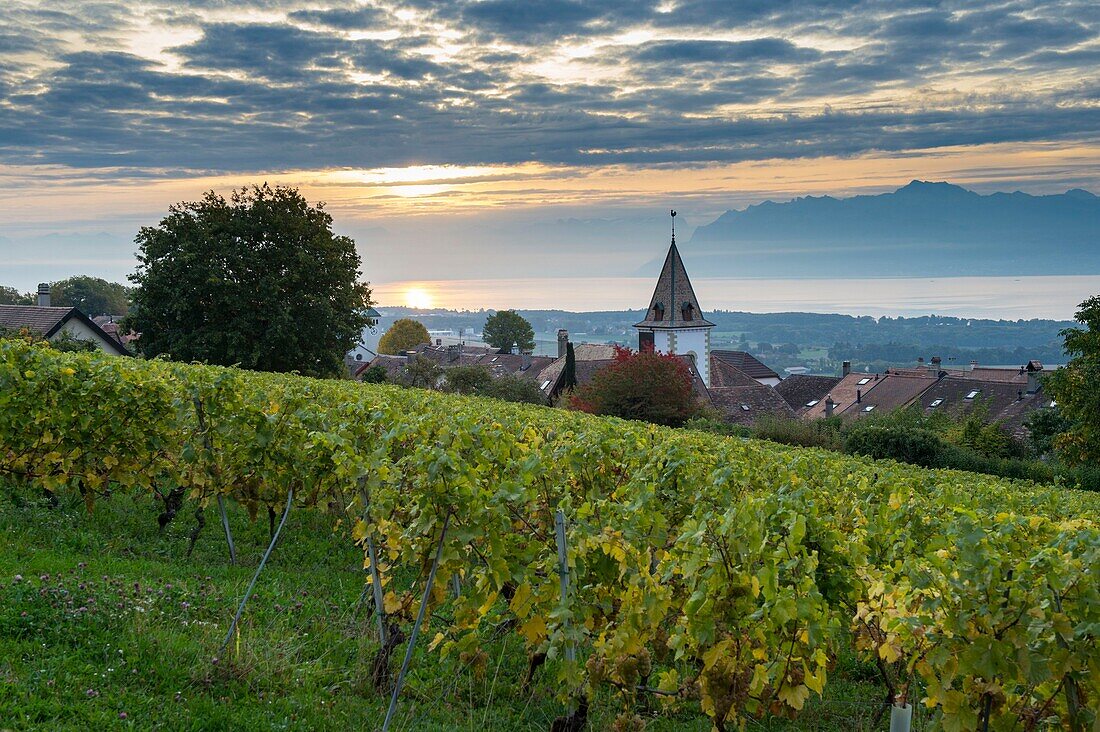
point(920, 230)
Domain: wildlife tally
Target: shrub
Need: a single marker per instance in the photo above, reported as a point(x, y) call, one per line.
point(824, 433)
point(647, 386)
point(916, 446)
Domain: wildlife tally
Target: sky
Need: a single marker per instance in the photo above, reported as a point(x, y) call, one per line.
point(442, 135)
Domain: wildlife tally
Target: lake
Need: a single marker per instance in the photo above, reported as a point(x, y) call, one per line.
point(1009, 298)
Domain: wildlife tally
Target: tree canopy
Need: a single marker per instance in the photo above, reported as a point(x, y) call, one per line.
point(12, 296)
point(648, 386)
point(1074, 388)
point(258, 280)
point(507, 328)
point(91, 295)
point(405, 334)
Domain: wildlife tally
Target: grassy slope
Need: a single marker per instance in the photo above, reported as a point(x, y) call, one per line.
point(111, 618)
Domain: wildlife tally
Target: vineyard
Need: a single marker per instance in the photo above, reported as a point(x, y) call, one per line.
point(670, 571)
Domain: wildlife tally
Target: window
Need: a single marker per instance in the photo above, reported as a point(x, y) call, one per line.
point(863, 381)
point(869, 407)
point(745, 407)
point(659, 311)
point(545, 384)
point(493, 359)
point(688, 311)
point(812, 402)
point(974, 393)
point(935, 403)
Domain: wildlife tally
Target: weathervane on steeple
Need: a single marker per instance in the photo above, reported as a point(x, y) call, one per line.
point(673, 226)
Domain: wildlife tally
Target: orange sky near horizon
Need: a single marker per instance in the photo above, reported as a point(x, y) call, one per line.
point(36, 200)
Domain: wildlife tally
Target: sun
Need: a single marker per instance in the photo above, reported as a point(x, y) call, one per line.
point(419, 298)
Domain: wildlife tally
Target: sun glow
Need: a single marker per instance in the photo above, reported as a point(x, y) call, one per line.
point(419, 298)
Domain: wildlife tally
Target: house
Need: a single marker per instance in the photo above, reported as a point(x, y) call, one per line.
point(590, 358)
point(53, 323)
point(744, 405)
point(803, 392)
point(520, 365)
point(113, 329)
point(1008, 397)
point(888, 392)
point(747, 364)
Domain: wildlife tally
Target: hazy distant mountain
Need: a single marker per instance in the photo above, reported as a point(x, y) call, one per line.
point(922, 229)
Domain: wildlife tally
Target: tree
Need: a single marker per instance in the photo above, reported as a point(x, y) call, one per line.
point(422, 372)
point(569, 370)
point(1074, 388)
point(258, 280)
point(648, 386)
point(91, 295)
point(1043, 427)
point(12, 296)
point(404, 335)
point(468, 379)
point(507, 328)
point(513, 388)
point(374, 375)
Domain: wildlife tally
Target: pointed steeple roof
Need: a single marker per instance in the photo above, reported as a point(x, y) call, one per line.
point(674, 304)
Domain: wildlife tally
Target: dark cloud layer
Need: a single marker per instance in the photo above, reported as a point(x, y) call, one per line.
point(500, 81)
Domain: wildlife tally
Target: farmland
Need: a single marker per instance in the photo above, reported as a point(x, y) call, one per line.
point(708, 581)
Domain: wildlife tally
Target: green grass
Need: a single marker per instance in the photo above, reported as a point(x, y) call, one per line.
point(106, 624)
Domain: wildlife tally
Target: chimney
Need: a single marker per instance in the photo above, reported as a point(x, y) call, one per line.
point(859, 396)
point(830, 405)
point(846, 368)
point(934, 367)
point(1033, 379)
point(44, 295)
point(973, 364)
point(525, 361)
point(563, 342)
point(439, 341)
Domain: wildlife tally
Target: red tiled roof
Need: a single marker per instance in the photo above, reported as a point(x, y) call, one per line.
point(798, 390)
point(746, 362)
point(746, 404)
point(43, 321)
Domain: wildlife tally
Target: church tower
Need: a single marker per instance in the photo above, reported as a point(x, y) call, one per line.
point(674, 322)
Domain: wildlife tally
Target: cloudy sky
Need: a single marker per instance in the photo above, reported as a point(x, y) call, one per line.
point(439, 133)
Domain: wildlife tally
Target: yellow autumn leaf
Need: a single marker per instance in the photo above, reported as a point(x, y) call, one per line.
point(816, 682)
point(521, 601)
point(390, 602)
point(534, 630)
point(888, 653)
point(794, 696)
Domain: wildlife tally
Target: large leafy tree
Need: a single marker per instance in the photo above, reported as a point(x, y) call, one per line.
point(1074, 387)
point(91, 295)
point(258, 280)
point(12, 296)
point(507, 328)
point(404, 335)
point(648, 386)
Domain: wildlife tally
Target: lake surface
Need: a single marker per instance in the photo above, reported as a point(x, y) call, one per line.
point(1009, 298)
